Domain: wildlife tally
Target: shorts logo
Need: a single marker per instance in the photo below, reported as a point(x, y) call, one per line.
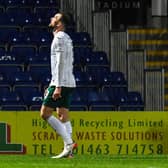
point(6, 147)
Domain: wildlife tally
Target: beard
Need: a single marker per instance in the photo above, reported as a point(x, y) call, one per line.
point(52, 28)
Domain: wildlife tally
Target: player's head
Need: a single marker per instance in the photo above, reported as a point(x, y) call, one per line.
point(60, 21)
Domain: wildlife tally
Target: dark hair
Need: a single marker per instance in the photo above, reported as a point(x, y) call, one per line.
point(66, 19)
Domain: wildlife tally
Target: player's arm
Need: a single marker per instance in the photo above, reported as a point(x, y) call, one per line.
point(58, 68)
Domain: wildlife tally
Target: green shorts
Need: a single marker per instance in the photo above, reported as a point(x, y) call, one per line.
point(64, 101)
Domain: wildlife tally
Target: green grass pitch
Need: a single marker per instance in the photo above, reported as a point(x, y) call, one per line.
point(83, 161)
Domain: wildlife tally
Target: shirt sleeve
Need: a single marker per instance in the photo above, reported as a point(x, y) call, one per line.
point(58, 68)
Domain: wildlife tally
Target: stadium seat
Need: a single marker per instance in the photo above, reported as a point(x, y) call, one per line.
point(4, 81)
point(5, 88)
point(38, 71)
point(23, 51)
point(44, 49)
point(115, 93)
point(7, 33)
point(112, 79)
point(4, 20)
point(32, 98)
point(97, 70)
point(79, 100)
point(22, 88)
point(45, 80)
point(99, 99)
point(21, 78)
point(81, 78)
point(8, 68)
point(14, 3)
point(38, 60)
point(132, 101)
point(99, 58)
point(97, 73)
point(20, 15)
point(44, 3)
point(37, 38)
point(10, 98)
point(46, 11)
point(18, 10)
point(80, 38)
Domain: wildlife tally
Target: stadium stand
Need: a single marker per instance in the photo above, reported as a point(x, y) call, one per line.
point(25, 58)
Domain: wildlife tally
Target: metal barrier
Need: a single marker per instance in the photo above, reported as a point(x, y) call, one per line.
point(154, 89)
point(101, 30)
point(118, 47)
point(84, 16)
point(68, 6)
point(135, 70)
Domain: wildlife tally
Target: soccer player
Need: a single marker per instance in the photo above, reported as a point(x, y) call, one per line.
point(57, 95)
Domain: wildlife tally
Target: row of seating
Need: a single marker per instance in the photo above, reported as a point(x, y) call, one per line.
point(7, 3)
point(37, 37)
point(29, 97)
point(25, 63)
point(30, 55)
point(93, 76)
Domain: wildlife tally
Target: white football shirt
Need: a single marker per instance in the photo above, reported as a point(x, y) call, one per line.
point(62, 61)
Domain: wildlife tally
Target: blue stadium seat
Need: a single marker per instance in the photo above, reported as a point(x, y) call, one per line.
point(19, 10)
point(99, 58)
point(80, 54)
point(10, 98)
point(3, 79)
point(38, 71)
point(115, 93)
point(112, 79)
point(46, 11)
point(32, 98)
point(7, 32)
point(81, 78)
point(38, 60)
point(14, 3)
point(97, 73)
point(4, 20)
point(132, 101)
point(21, 16)
point(80, 38)
point(8, 68)
point(22, 88)
point(23, 51)
point(79, 100)
point(45, 80)
point(97, 70)
point(98, 99)
point(43, 3)
point(21, 78)
point(84, 38)
point(38, 38)
point(44, 49)
point(5, 88)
